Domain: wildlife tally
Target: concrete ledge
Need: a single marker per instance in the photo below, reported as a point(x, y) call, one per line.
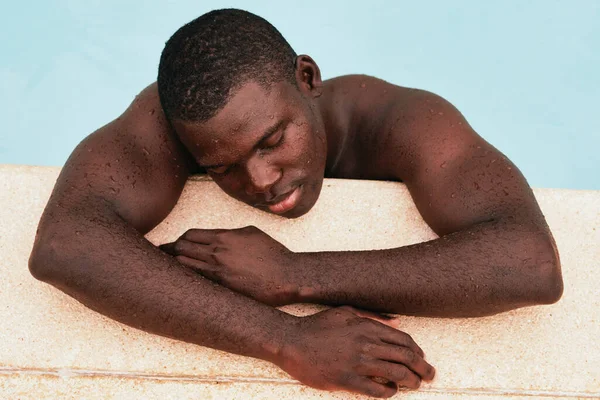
point(53, 347)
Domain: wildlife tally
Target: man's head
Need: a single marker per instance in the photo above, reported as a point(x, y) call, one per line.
point(245, 107)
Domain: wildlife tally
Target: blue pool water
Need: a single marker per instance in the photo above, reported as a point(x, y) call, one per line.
point(525, 74)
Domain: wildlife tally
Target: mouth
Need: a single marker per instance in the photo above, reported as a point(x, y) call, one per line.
point(288, 202)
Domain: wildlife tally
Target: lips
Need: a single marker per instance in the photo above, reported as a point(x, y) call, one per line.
point(288, 202)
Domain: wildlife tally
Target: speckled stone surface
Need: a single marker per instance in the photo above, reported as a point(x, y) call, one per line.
point(53, 347)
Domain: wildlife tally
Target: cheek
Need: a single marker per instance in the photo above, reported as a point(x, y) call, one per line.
point(232, 186)
point(308, 150)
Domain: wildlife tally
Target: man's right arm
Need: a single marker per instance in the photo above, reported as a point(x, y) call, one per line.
point(118, 184)
point(122, 181)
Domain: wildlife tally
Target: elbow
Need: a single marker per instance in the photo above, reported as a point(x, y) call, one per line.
point(548, 277)
point(43, 261)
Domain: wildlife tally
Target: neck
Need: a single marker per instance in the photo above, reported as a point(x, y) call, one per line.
point(335, 121)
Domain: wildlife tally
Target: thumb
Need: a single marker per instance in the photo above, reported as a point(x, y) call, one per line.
point(393, 322)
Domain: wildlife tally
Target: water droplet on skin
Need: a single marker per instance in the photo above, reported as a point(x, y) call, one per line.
point(453, 195)
point(443, 165)
point(271, 116)
point(261, 259)
point(426, 169)
point(440, 113)
point(151, 112)
point(146, 152)
point(362, 85)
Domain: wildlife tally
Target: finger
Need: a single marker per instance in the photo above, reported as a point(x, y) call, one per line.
point(406, 356)
point(207, 270)
point(397, 373)
point(205, 236)
point(392, 322)
point(394, 336)
point(198, 251)
point(365, 385)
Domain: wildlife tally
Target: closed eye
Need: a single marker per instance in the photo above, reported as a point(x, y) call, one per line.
point(220, 170)
point(274, 140)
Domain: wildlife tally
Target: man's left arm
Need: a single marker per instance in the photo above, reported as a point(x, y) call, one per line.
point(495, 250)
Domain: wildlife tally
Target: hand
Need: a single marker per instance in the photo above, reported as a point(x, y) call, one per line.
point(347, 349)
point(246, 260)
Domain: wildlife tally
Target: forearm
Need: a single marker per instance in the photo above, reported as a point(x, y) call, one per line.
point(490, 268)
point(120, 274)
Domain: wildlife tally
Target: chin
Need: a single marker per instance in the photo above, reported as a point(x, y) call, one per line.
point(295, 212)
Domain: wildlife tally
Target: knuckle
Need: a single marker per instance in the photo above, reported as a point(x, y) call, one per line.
point(409, 355)
point(401, 374)
point(408, 338)
point(250, 229)
point(345, 378)
point(367, 347)
point(188, 234)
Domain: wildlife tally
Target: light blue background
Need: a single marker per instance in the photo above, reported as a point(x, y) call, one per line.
point(524, 73)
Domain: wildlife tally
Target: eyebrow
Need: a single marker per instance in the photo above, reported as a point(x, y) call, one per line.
point(268, 132)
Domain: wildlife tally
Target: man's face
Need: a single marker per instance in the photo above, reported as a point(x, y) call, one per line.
point(266, 148)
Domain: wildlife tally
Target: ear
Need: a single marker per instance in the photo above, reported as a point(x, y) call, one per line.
point(308, 76)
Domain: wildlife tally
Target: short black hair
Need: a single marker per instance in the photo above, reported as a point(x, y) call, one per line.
point(209, 58)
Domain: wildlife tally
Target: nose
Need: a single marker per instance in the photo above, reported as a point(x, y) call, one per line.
point(261, 177)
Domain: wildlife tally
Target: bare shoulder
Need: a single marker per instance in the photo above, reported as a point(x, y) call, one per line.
point(135, 163)
point(368, 92)
point(391, 125)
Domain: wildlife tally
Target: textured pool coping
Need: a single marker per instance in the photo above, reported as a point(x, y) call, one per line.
point(53, 347)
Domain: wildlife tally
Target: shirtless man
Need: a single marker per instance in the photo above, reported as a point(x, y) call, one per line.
point(233, 100)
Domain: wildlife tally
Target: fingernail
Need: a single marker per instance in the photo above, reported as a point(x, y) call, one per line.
point(431, 373)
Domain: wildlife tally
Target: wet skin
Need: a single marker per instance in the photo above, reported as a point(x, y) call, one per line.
point(271, 148)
